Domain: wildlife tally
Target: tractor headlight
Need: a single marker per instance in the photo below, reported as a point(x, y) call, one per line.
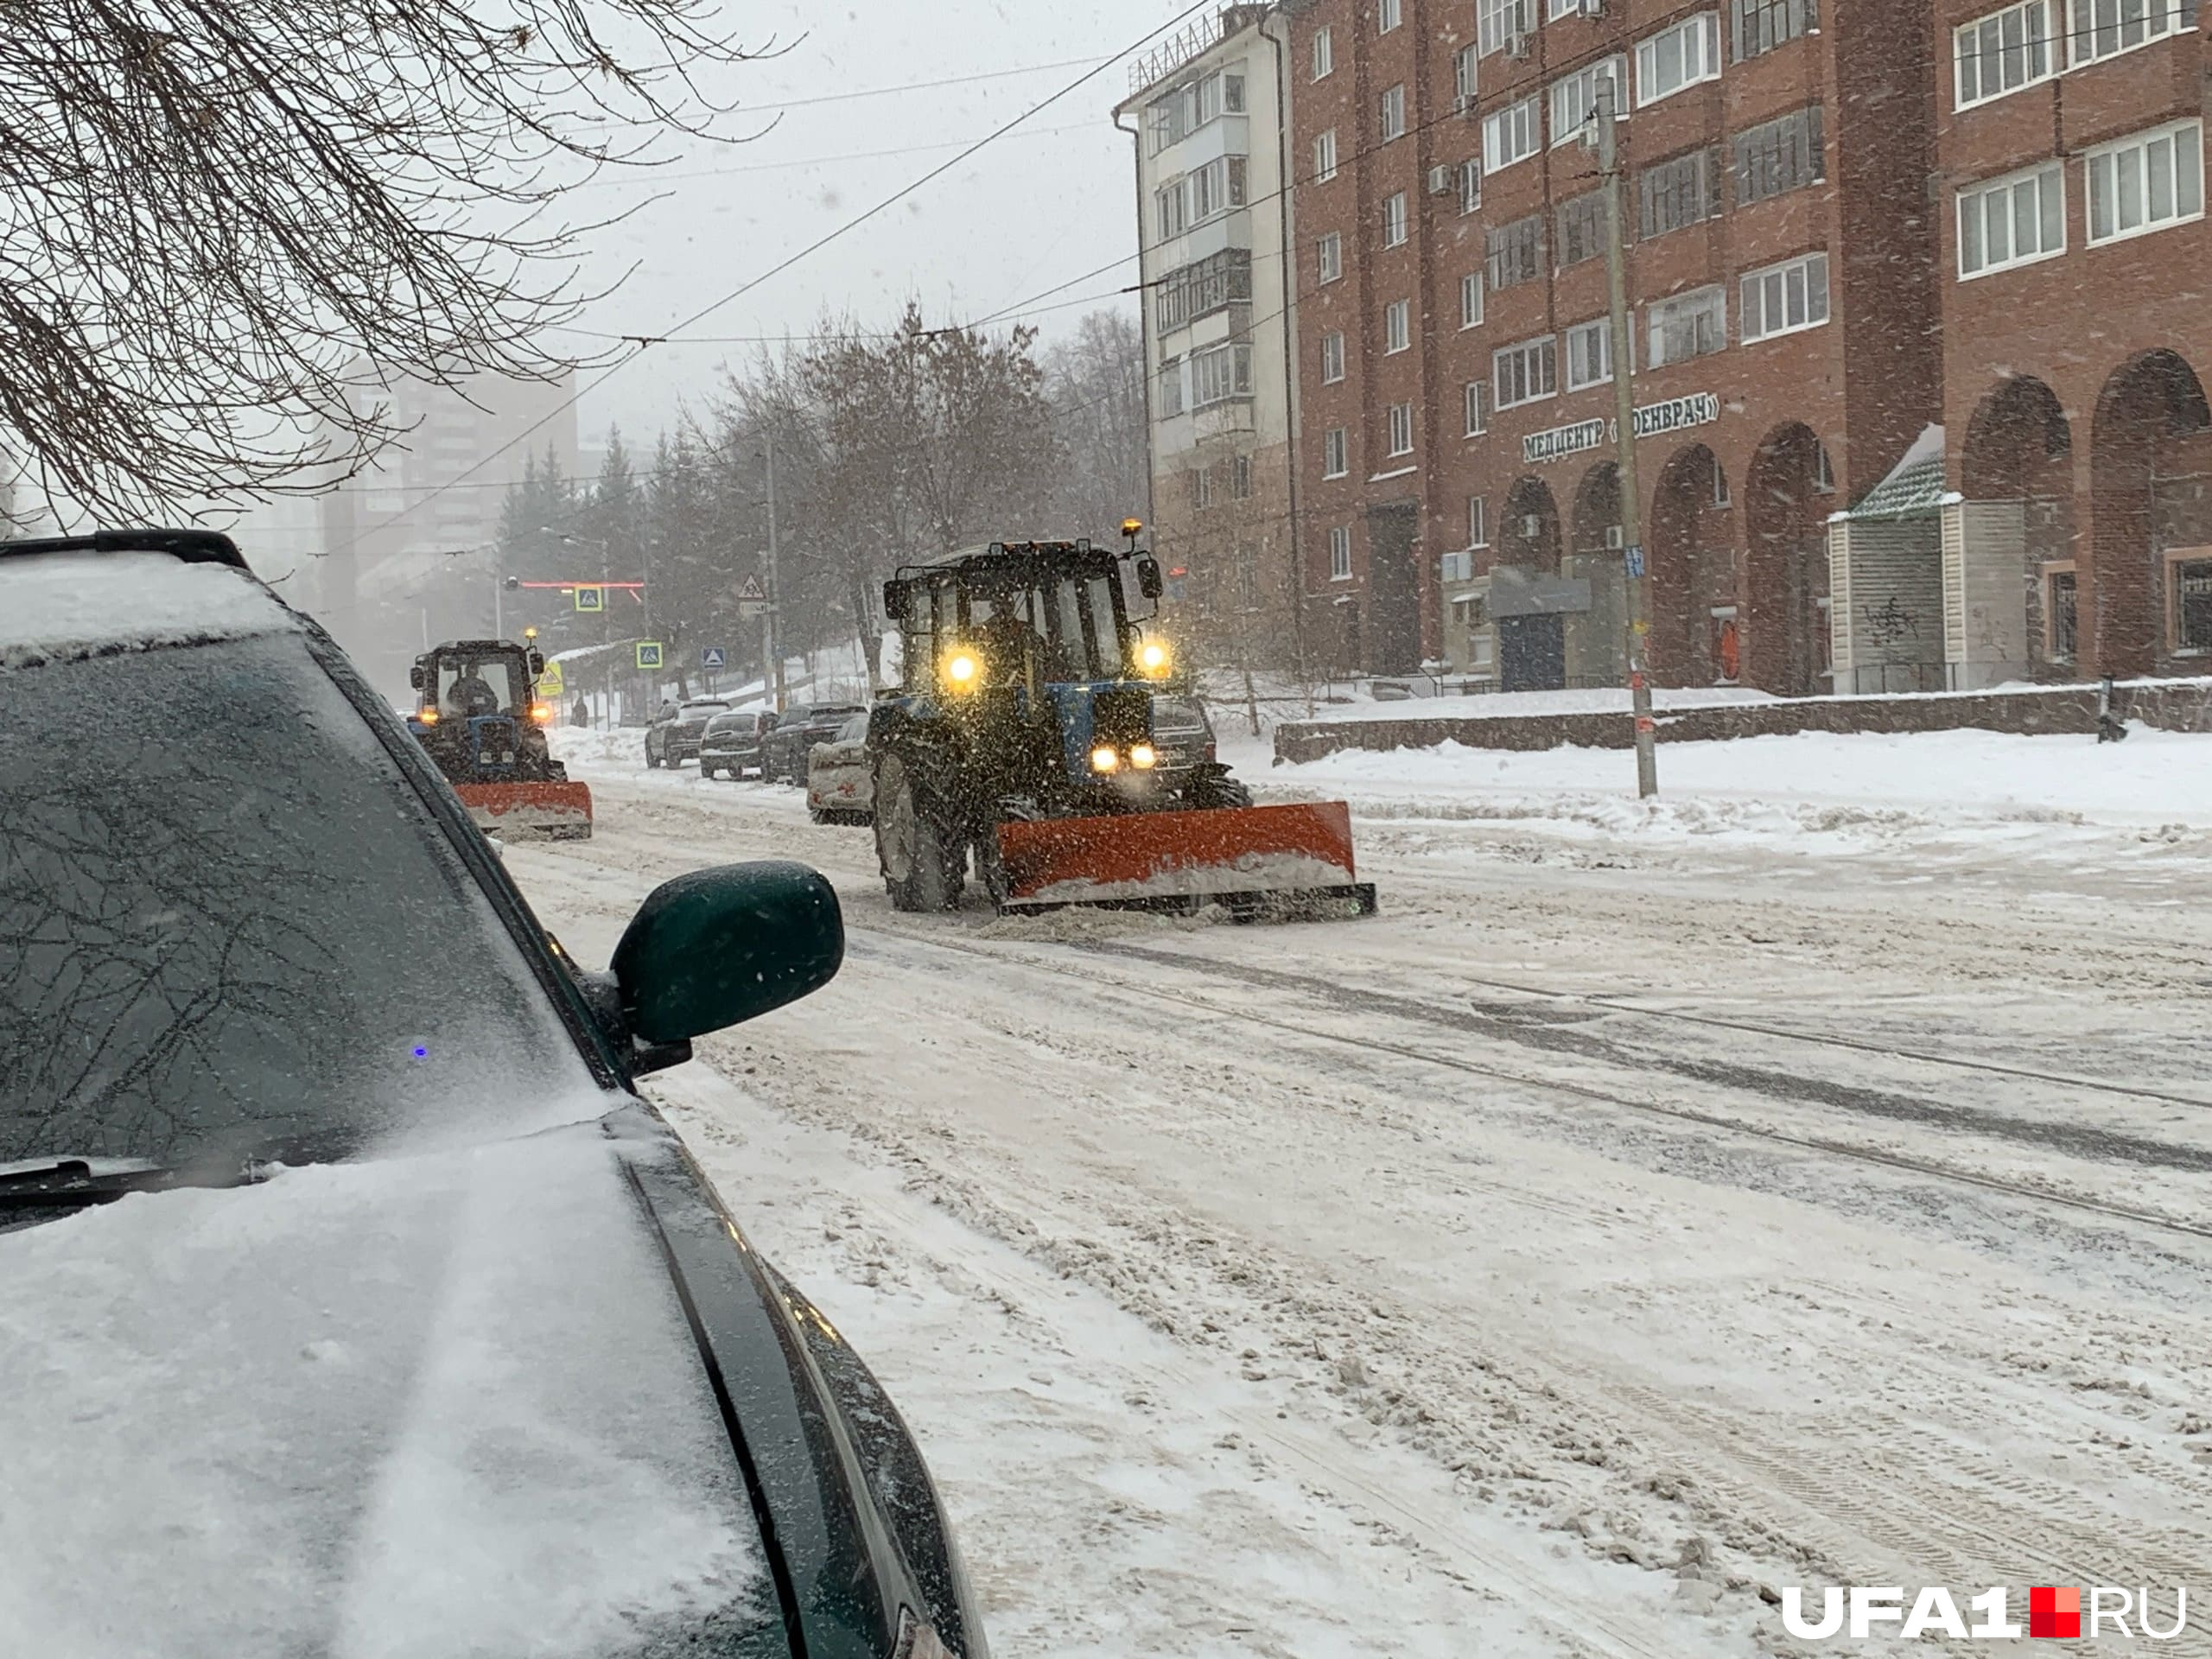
point(428, 716)
point(963, 670)
point(1153, 658)
point(1103, 758)
point(542, 713)
point(1143, 757)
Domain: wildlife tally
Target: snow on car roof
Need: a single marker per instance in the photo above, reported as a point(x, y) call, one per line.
point(59, 607)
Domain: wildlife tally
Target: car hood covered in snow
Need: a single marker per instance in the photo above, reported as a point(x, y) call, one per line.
point(420, 1406)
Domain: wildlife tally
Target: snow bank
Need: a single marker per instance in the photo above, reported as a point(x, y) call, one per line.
point(1814, 781)
point(1522, 705)
point(423, 1405)
point(62, 606)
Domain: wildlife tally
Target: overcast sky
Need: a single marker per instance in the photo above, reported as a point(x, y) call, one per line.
point(1048, 202)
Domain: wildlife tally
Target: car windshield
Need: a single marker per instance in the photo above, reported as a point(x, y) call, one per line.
point(704, 710)
point(230, 925)
point(494, 684)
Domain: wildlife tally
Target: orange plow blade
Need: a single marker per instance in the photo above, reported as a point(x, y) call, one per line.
point(1241, 856)
point(524, 811)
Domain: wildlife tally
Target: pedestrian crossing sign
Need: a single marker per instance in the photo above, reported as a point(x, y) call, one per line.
point(649, 653)
point(591, 599)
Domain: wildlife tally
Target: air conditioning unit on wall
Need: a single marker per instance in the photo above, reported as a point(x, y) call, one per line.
point(1439, 181)
point(1518, 47)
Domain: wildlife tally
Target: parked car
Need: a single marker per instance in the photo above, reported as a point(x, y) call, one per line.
point(732, 741)
point(421, 1331)
point(1181, 733)
point(797, 730)
point(673, 738)
point(840, 778)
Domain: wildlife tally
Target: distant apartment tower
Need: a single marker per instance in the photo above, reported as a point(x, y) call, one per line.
point(425, 512)
point(2076, 535)
point(1459, 497)
point(1210, 132)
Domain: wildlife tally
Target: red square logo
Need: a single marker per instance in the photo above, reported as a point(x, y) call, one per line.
point(2054, 1611)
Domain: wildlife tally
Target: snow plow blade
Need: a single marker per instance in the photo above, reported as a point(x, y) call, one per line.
point(1250, 858)
point(528, 811)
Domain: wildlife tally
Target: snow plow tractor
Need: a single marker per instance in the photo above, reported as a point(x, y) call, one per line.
point(479, 717)
point(1022, 738)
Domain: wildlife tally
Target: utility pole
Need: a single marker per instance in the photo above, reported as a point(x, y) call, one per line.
point(1624, 355)
point(771, 632)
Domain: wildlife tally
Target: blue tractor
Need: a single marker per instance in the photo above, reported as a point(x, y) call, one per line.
point(1020, 744)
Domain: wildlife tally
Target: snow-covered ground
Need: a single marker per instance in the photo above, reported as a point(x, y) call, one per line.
point(1652, 1209)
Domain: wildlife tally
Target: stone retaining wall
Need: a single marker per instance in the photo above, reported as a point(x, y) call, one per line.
point(2168, 705)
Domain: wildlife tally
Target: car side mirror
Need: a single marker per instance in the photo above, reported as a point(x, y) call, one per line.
point(719, 947)
point(1149, 582)
point(415, 677)
point(895, 600)
point(537, 664)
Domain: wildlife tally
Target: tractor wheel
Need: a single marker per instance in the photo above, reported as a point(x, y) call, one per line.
point(1214, 791)
point(923, 862)
point(653, 760)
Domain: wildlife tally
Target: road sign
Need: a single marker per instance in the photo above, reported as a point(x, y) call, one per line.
point(1635, 558)
point(751, 589)
point(591, 599)
point(713, 657)
point(649, 653)
point(753, 609)
point(550, 683)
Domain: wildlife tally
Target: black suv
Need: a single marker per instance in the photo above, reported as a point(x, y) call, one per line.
point(673, 738)
point(783, 753)
point(419, 1330)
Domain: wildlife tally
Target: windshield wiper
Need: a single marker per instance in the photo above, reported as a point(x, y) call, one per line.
point(69, 1183)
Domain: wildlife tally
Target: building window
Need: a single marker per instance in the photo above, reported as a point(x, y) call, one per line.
point(1478, 409)
point(1174, 118)
point(1678, 57)
point(1470, 300)
point(1171, 387)
point(2014, 221)
point(1394, 219)
point(1686, 326)
point(1780, 155)
point(1332, 359)
point(1340, 553)
point(1582, 229)
point(1398, 326)
point(2104, 29)
point(1202, 486)
point(2061, 613)
point(1464, 76)
point(1331, 255)
point(1394, 114)
point(1823, 472)
point(1240, 477)
point(1499, 23)
point(1215, 188)
point(2146, 182)
point(1574, 99)
point(2189, 601)
point(2002, 52)
point(1589, 354)
point(1205, 286)
point(1325, 156)
point(1478, 521)
point(1672, 194)
point(1401, 429)
point(1471, 185)
point(1172, 209)
point(1220, 374)
point(1512, 135)
point(1760, 26)
point(1324, 53)
point(1525, 372)
point(1388, 15)
point(1516, 252)
point(1471, 616)
point(1335, 453)
point(1785, 298)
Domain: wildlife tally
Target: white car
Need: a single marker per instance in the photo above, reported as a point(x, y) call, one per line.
point(840, 783)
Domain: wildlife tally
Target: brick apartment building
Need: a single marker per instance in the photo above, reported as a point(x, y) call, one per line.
point(1459, 499)
point(1206, 117)
point(2077, 286)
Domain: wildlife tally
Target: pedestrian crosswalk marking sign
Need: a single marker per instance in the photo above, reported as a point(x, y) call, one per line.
point(591, 599)
point(648, 653)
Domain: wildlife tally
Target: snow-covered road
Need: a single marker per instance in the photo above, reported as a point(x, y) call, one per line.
point(1622, 1226)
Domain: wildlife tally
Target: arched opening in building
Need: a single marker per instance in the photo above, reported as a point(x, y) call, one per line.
point(1525, 591)
point(2017, 473)
point(1596, 638)
point(2146, 592)
point(1784, 636)
point(1691, 551)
